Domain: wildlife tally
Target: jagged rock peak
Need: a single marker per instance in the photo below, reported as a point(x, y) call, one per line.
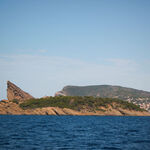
point(14, 92)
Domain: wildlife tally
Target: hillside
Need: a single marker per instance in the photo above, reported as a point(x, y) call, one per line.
point(72, 105)
point(104, 91)
point(78, 103)
point(129, 94)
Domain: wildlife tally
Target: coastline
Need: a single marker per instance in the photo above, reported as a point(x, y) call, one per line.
point(14, 109)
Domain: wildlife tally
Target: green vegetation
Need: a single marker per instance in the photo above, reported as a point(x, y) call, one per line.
point(15, 101)
point(78, 103)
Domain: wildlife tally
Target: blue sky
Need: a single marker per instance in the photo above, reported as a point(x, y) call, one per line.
point(45, 45)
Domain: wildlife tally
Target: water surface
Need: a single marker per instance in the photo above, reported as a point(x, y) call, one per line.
point(74, 132)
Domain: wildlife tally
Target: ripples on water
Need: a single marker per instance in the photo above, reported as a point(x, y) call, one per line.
point(74, 132)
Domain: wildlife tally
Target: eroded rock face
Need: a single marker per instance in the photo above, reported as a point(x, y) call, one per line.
point(11, 108)
point(60, 93)
point(14, 92)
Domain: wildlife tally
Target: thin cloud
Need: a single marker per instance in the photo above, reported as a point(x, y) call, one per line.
point(44, 75)
point(42, 50)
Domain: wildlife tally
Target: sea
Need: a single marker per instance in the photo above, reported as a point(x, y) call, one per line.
point(36, 132)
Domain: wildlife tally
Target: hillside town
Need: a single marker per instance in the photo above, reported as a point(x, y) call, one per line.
point(144, 103)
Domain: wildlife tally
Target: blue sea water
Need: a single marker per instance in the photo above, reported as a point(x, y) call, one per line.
point(74, 133)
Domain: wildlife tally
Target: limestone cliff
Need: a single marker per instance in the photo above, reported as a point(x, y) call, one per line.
point(14, 92)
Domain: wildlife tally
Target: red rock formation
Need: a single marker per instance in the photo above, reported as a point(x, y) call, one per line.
point(14, 92)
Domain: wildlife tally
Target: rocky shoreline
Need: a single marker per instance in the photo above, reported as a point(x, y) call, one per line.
point(10, 108)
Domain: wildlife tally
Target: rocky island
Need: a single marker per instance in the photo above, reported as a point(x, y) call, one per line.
point(22, 103)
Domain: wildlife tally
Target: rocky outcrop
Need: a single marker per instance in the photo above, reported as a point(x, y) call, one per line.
point(60, 93)
point(11, 108)
point(14, 92)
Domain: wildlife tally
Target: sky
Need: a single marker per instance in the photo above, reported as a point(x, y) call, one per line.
point(48, 44)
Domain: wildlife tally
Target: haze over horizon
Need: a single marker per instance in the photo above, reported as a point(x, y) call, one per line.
point(46, 45)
